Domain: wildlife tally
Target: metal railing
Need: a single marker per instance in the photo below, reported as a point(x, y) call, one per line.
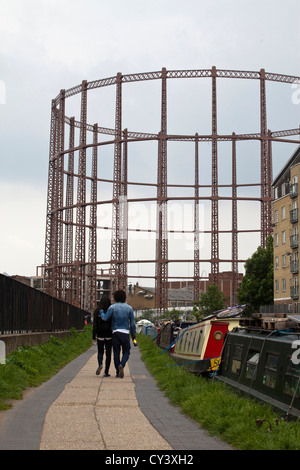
point(294, 241)
point(294, 292)
point(294, 216)
point(25, 309)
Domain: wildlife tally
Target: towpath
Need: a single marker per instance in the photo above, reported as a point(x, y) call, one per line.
point(78, 410)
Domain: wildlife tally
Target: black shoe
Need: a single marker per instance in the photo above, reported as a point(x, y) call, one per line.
point(106, 375)
point(99, 370)
point(121, 371)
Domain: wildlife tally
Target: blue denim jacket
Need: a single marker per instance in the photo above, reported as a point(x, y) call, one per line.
point(122, 317)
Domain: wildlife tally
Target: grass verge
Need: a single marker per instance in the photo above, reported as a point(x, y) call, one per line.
point(217, 408)
point(32, 365)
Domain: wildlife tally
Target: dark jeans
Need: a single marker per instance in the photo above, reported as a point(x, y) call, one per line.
point(120, 341)
point(107, 344)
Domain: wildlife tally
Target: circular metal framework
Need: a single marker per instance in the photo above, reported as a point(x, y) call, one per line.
point(73, 206)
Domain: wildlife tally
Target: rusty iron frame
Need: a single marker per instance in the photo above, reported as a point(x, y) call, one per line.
point(70, 268)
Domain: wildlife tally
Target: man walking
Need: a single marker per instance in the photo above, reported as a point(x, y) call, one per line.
point(122, 324)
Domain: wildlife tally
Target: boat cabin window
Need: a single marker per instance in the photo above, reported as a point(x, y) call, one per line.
point(270, 372)
point(186, 338)
point(251, 366)
point(194, 337)
point(218, 335)
point(292, 379)
point(227, 356)
point(190, 339)
point(199, 339)
point(236, 359)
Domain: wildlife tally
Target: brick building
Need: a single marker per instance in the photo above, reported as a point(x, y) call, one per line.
point(286, 233)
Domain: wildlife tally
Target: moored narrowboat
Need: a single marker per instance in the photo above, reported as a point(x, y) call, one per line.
point(150, 330)
point(166, 335)
point(169, 332)
point(143, 323)
point(264, 364)
point(198, 348)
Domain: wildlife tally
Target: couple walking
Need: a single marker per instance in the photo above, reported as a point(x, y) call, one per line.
point(111, 327)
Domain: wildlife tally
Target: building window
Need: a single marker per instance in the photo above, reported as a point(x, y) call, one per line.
point(294, 213)
point(295, 289)
point(283, 212)
point(294, 237)
point(283, 285)
point(276, 262)
point(276, 285)
point(276, 239)
point(276, 216)
point(284, 261)
point(283, 237)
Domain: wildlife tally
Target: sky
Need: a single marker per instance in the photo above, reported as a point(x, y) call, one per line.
point(49, 45)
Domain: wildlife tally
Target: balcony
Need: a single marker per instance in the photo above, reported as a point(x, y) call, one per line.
point(294, 190)
point(294, 266)
point(294, 241)
point(294, 216)
point(295, 292)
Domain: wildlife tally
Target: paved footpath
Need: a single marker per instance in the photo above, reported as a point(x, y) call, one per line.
point(78, 410)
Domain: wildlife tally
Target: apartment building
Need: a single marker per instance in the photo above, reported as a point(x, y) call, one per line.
point(286, 234)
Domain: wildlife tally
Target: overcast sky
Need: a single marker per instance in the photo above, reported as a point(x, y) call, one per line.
point(49, 45)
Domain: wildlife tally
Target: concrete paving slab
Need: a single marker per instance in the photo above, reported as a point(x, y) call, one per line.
point(127, 428)
point(77, 396)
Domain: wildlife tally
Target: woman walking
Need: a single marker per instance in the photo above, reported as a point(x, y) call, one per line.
point(102, 332)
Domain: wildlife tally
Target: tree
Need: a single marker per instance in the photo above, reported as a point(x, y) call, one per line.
point(257, 284)
point(209, 302)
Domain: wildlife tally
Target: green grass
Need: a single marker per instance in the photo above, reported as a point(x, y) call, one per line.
point(217, 408)
point(32, 365)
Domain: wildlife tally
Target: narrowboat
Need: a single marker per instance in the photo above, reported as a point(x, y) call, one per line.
point(143, 323)
point(169, 332)
point(264, 364)
point(198, 348)
point(166, 335)
point(150, 330)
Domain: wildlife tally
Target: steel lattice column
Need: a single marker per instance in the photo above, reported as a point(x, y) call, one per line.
point(123, 214)
point(115, 241)
point(196, 225)
point(266, 176)
point(234, 223)
point(81, 205)
point(50, 219)
point(269, 184)
point(214, 197)
point(161, 274)
point(59, 195)
point(92, 259)
point(68, 253)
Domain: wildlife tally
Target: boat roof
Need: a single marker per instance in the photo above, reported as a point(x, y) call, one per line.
point(272, 335)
